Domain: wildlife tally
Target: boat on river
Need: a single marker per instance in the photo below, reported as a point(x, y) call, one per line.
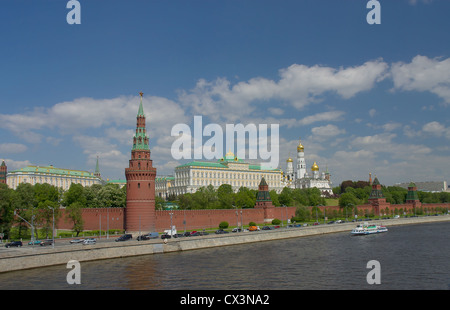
point(366, 229)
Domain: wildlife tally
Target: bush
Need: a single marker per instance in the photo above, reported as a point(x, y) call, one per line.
point(252, 224)
point(276, 222)
point(223, 225)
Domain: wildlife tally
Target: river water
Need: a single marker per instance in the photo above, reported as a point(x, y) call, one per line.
point(410, 257)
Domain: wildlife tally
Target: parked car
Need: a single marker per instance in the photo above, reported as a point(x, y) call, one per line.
point(236, 229)
point(76, 241)
point(124, 237)
point(194, 233)
point(267, 228)
point(253, 228)
point(14, 243)
point(90, 241)
point(178, 235)
point(148, 236)
point(46, 242)
point(221, 231)
point(187, 234)
point(35, 242)
point(166, 236)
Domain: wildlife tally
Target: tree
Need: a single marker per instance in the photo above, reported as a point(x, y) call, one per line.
point(6, 210)
point(76, 216)
point(24, 203)
point(285, 197)
point(75, 193)
point(226, 196)
point(347, 200)
point(245, 198)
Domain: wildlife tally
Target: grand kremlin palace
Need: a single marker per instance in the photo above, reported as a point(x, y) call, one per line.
point(228, 170)
point(62, 178)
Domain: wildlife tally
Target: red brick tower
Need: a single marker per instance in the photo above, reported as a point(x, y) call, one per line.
point(377, 199)
point(140, 210)
point(3, 172)
point(263, 201)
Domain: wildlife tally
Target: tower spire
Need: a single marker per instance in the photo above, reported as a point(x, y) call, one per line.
point(140, 206)
point(97, 170)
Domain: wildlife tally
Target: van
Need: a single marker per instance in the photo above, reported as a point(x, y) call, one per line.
point(148, 236)
point(253, 228)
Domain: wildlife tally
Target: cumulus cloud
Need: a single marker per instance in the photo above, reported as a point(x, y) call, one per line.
point(298, 86)
point(12, 148)
point(423, 74)
point(325, 132)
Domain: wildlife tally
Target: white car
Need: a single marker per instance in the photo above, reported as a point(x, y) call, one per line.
point(90, 241)
point(397, 216)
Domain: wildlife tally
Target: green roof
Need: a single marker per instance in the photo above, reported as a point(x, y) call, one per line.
point(53, 170)
point(223, 165)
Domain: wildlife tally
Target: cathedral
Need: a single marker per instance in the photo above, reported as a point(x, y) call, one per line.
point(302, 179)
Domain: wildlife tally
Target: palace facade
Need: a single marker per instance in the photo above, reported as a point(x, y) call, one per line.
point(228, 170)
point(58, 177)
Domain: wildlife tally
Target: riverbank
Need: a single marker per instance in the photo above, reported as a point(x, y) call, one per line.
point(34, 257)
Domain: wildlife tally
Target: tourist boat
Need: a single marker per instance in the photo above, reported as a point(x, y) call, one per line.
point(366, 229)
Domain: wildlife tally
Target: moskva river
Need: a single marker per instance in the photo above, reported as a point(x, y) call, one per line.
point(413, 257)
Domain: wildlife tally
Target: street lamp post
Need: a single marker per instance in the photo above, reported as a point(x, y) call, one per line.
point(171, 227)
point(53, 231)
point(31, 225)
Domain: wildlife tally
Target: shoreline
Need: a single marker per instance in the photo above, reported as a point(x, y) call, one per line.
point(37, 257)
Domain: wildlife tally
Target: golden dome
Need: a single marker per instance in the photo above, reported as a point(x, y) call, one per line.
point(230, 153)
point(289, 160)
point(315, 167)
point(300, 147)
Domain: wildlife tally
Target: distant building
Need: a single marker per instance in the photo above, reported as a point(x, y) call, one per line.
point(58, 177)
point(121, 183)
point(433, 187)
point(228, 170)
point(163, 185)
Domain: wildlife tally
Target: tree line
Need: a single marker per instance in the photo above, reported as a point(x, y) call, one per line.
point(357, 193)
point(37, 204)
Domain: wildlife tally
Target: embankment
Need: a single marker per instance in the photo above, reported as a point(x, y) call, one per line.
point(34, 257)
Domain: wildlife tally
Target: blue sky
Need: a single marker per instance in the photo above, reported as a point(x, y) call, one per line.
point(363, 98)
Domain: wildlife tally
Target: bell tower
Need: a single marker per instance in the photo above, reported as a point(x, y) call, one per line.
point(140, 206)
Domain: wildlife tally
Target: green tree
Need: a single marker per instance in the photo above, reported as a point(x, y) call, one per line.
point(75, 210)
point(348, 199)
point(245, 198)
point(24, 203)
point(6, 210)
point(226, 196)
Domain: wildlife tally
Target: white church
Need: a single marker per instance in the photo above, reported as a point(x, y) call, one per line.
point(301, 178)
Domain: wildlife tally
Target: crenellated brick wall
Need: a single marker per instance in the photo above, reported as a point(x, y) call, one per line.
point(204, 219)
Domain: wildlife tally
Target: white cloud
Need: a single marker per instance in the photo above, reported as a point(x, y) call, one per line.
point(423, 74)
point(10, 148)
point(299, 85)
point(325, 132)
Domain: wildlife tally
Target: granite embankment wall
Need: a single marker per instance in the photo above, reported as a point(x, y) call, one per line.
point(31, 257)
